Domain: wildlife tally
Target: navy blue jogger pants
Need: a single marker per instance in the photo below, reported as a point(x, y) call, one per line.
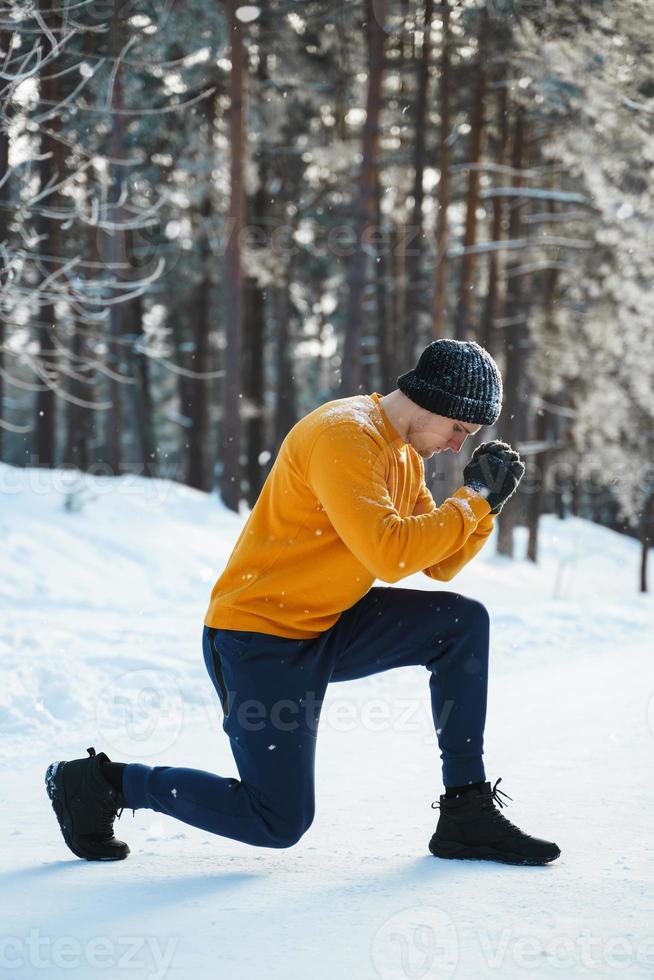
point(271, 690)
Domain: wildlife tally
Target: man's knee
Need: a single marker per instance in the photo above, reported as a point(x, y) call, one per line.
point(469, 628)
point(285, 832)
point(478, 613)
point(469, 613)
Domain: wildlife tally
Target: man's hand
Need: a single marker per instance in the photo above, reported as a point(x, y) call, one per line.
point(496, 446)
point(494, 470)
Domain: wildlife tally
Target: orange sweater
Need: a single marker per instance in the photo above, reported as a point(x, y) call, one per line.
point(345, 503)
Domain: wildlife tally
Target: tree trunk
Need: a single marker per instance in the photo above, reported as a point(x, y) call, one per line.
point(5, 195)
point(397, 274)
point(180, 314)
point(646, 538)
point(465, 327)
point(285, 406)
point(544, 431)
point(415, 304)
point(198, 474)
point(488, 337)
point(513, 333)
point(75, 451)
point(385, 331)
point(116, 250)
point(535, 501)
point(365, 208)
point(88, 420)
point(142, 395)
point(404, 40)
point(255, 329)
point(51, 166)
point(575, 493)
point(443, 195)
point(256, 294)
point(231, 427)
point(440, 473)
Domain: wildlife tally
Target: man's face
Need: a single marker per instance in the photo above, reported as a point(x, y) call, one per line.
point(431, 433)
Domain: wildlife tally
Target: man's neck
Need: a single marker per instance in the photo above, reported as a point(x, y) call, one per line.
point(396, 410)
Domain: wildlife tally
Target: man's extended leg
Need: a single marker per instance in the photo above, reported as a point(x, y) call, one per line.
point(271, 689)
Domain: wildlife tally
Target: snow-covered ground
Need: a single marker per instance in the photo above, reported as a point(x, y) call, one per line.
point(100, 626)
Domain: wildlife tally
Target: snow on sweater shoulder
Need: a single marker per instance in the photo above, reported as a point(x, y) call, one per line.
point(344, 504)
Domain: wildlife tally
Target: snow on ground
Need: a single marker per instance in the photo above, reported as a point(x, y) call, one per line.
point(100, 627)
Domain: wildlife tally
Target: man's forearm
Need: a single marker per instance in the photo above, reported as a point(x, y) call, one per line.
point(449, 567)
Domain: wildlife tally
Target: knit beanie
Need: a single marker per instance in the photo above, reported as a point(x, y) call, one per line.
point(457, 379)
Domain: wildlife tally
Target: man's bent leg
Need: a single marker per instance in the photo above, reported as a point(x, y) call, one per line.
point(447, 633)
point(271, 690)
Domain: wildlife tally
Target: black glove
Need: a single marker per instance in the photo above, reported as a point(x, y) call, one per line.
point(496, 446)
point(495, 470)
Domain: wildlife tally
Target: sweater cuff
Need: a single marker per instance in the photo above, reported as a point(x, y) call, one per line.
point(474, 501)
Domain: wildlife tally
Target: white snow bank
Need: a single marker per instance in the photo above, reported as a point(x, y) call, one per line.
point(100, 627)
point(94, 599)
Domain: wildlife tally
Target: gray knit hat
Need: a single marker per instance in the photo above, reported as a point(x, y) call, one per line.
point(458, 379)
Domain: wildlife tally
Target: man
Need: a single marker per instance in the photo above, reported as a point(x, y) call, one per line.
point(345, 503)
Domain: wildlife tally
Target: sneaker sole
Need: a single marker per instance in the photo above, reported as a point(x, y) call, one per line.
point(55, 790)
point(445, 849)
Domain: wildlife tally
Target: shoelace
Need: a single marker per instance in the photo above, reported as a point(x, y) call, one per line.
point(494, 796)
point(110, 812)
point(486, 802)
point(106, 818)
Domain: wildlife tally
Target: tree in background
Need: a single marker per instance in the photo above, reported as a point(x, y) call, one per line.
point(216, 217)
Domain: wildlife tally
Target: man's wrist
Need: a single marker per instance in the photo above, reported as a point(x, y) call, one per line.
point(483, 491)
point(477, 487)
point(476, 493)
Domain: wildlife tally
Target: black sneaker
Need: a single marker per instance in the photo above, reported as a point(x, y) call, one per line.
point(470, 827)
point(86, 805)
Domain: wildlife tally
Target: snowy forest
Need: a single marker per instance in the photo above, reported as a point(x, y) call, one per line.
point(215, 217)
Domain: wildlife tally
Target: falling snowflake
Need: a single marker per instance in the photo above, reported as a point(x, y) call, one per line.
point(271, 747)
point(174, 792)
